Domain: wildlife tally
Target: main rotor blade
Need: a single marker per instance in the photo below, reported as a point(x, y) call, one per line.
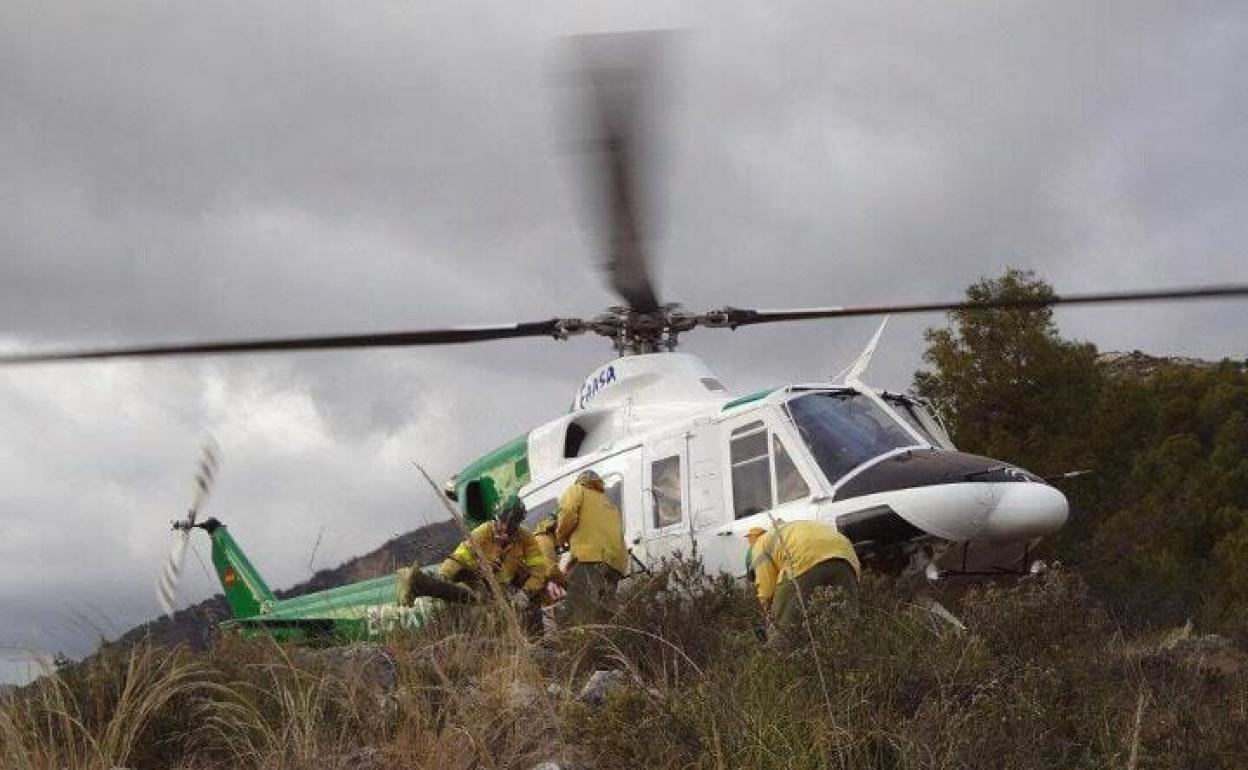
point(450, 336)
point(734, 317)
point(617, 68)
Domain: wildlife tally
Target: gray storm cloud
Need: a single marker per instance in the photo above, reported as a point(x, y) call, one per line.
point(206, 171)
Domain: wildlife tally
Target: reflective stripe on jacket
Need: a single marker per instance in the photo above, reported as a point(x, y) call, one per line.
point(591, 526)
point(802, 545)
point(522, 555)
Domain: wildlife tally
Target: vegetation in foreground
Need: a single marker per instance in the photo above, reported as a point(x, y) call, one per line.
point(1040, 678)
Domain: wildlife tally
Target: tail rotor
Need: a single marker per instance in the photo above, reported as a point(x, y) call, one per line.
point(171, 575)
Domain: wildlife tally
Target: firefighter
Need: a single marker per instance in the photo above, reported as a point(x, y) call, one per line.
point(592, 528)
point(544, 533)
point(806, 555)
point(511, 552)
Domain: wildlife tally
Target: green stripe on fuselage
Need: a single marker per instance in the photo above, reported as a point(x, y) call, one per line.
point(748, 398)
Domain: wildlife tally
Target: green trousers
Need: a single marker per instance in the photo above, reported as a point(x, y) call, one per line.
point(786, 608)
point(591, 592)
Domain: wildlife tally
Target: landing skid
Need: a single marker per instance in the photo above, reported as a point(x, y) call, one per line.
point(981, 560)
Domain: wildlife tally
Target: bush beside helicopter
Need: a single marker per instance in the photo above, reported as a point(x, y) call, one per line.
point(692, 467)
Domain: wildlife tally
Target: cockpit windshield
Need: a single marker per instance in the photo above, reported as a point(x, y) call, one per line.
point(844, 429)
point(916, 414)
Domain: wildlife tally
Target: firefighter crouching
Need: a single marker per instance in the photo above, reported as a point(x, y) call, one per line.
point(592, 528)
point(556, 581)
point(508, 548)
point(795, 557)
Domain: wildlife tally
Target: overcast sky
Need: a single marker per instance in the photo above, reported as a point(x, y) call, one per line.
point(206, 170)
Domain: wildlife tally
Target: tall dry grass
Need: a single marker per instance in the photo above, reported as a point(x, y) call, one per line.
point(1042, 678)
point(106, 712)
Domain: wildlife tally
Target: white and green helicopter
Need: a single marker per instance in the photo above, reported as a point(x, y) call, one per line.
point(691, 466)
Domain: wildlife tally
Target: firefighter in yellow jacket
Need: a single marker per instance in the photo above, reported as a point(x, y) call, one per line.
point(592, 528)
point(798, 557)
point(507, 547)
point(544, 533)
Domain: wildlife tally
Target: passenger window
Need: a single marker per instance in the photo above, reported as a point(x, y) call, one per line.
point(612, 487)
point(665, 488)
point(539, 512)
point(790, 485)
point(751, 469)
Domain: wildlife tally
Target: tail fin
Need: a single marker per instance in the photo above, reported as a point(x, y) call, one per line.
point(245, 591)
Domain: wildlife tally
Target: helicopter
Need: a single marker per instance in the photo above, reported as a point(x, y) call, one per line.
point(691, 465)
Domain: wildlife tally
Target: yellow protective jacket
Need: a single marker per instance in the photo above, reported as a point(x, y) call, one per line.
point(522, 556)
point(591, 526)
point(801, 545)
point(544, 534)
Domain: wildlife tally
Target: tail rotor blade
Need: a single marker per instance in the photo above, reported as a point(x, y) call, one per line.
point(171, 576)
point(208, 462)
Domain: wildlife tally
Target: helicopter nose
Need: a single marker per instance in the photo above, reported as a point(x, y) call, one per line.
point(1023, 511)
point(949, 511)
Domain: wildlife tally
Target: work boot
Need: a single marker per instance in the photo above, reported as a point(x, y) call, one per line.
point(421, 583)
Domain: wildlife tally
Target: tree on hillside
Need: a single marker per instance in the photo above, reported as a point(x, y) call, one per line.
point(1008, 384)
point(1160, 530)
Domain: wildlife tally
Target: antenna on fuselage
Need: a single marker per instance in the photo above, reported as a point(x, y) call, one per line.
point(855, 370)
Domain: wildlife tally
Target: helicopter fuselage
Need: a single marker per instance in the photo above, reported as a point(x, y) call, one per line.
point(693, 469)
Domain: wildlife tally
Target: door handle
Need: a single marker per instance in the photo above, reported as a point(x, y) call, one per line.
point(724, 533)
point(636, 541)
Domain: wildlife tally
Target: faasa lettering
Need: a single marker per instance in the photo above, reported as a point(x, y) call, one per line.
point(595, 384)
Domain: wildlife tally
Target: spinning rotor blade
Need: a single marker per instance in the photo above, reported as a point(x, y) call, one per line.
point(208, 462)
point(449, 336)
point(171, 575)
point(618, 72)
point(734, 317)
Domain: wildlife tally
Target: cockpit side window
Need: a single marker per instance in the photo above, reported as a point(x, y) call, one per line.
point(914, 413)
point(751, 469)
point(790, 485)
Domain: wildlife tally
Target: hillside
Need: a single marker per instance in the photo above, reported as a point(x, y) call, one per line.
point(1136, 363)
point(194, 625)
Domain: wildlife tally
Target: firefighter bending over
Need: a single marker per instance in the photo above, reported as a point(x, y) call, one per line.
point(592, 528)
point(805, 556)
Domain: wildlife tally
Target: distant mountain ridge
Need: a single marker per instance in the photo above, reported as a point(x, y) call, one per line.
point(1136, 363)
point(195, 624)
